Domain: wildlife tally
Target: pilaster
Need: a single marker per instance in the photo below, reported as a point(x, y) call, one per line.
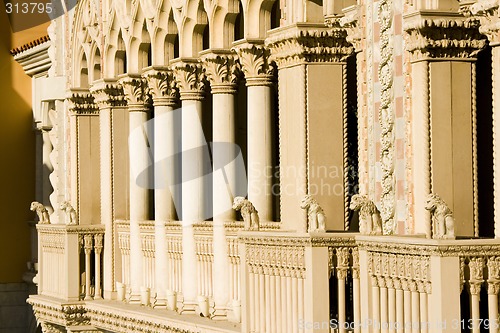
point(442, 49)
point(108, 96)
point(313, 110)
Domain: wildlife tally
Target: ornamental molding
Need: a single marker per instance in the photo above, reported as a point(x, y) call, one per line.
point(488, 14)
point(108, 94)
point(351, 22)
point(191, 80)
point(81, 102)
point(222, 71)
point(300, 44)
point(283, 239)
point(136, 91)
point(162, 86)
point(70, 229)
point(434, 37)
point(258, 68)
point(63, 314)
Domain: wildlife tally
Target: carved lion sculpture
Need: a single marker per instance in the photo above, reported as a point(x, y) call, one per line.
point(315, 215)
point(370, 222)
point(41, 211)
point(71, 217)
point(443, 224)
point(248, 212)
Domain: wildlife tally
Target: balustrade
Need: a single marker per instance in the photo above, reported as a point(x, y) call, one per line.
point(62, 276)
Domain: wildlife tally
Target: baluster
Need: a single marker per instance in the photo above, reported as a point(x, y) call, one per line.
point(391, 296)
point(251, 292)
point(476, 266)
point(301, 297)
point(406, 305)
point(424, 319)
point(415, 307)
point(279, 311)
point(375, 304)
point(267, 298)
point(295, 307)
point(98, 250)
point(356, 291)
point(272, 295)
point(289, 300)
point(342, 267)
point(493, 289)
point(398, 285)
point(262, 300)
point(383, 304)
point(88, 249)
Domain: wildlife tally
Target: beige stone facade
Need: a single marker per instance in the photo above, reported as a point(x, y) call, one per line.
point(161, 114)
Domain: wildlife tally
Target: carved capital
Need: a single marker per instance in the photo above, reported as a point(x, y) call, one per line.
point(488, 14)
point(108, 94)
point(98, 243)
point(191, 80)
point(136, 91)
point(305, 44)
point(162, 86)
point(87, 243)
point(493, 287)
point(222, 71)
point(82, 102)
point(256, 65)
point(475, 288)
point(476, 266)
point(443, 37)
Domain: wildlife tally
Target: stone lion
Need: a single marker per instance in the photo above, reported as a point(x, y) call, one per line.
point(71, 217)
point(248, 212)
point(41, 211)
point(370, 222)
point(315, 215)
point(443, 224)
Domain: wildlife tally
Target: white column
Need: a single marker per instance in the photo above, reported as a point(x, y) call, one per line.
point(135, 90)
point(98, 250)
point(194, 164)
point(166, 134)
point(259, 76)
point(221, 70)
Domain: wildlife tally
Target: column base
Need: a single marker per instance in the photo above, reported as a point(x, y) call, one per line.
point(220, 313)
point(134, 298)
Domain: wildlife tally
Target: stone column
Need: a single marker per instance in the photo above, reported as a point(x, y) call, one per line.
point(259, 77)
point(221, 70)
point(135, 89)
point(108, 96)
point(166, 135)
point(312, 112)
point(443, 109)
point(488, 14)
point(195, 163)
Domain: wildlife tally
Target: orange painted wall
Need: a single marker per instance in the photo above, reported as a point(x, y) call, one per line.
point(17, 153)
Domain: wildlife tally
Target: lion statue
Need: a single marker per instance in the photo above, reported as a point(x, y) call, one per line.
point(315, 215)
point(370, 222)
point(443, 224)
point(41, 211)
point(71, 217)
point(248, 212)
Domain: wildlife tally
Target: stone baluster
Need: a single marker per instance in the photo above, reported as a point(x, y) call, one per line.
point(136, 93)
point(356, 291)
point(415, 307)
point(166, 174)
point(342, 268)
point(384, 307)
point(406, 305)
point(108, 95)
point(87, 246)
point(424, 318)
point(476, 266)
point(221, 70)
point(191, 80)
point(97, 252)
point(375, 303)
point(398, 285)
point(259, 81)
point(493, 289)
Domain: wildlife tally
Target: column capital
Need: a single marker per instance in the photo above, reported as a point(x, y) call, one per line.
point(136, 91)
point(488, 14)
point(351, 22)
point(450, 36)
point(162, 85)
point(306, 43)
point(190, 78)
point(81, 102)
point(107, 94)
point(255, 63)
point(222, 71)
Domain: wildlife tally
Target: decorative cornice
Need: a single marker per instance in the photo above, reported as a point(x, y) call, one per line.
point(136, 91)
point(108, 94)
point(70, 229)
point(301, 44)
point(81, 102)
point(442, 37)
point(56, 312)
point(162, 86)
point(222, 70)
point(190, 79)
point(256, 64)
point(488, 14)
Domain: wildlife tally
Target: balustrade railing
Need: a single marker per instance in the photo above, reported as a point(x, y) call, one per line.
point(70, 261)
